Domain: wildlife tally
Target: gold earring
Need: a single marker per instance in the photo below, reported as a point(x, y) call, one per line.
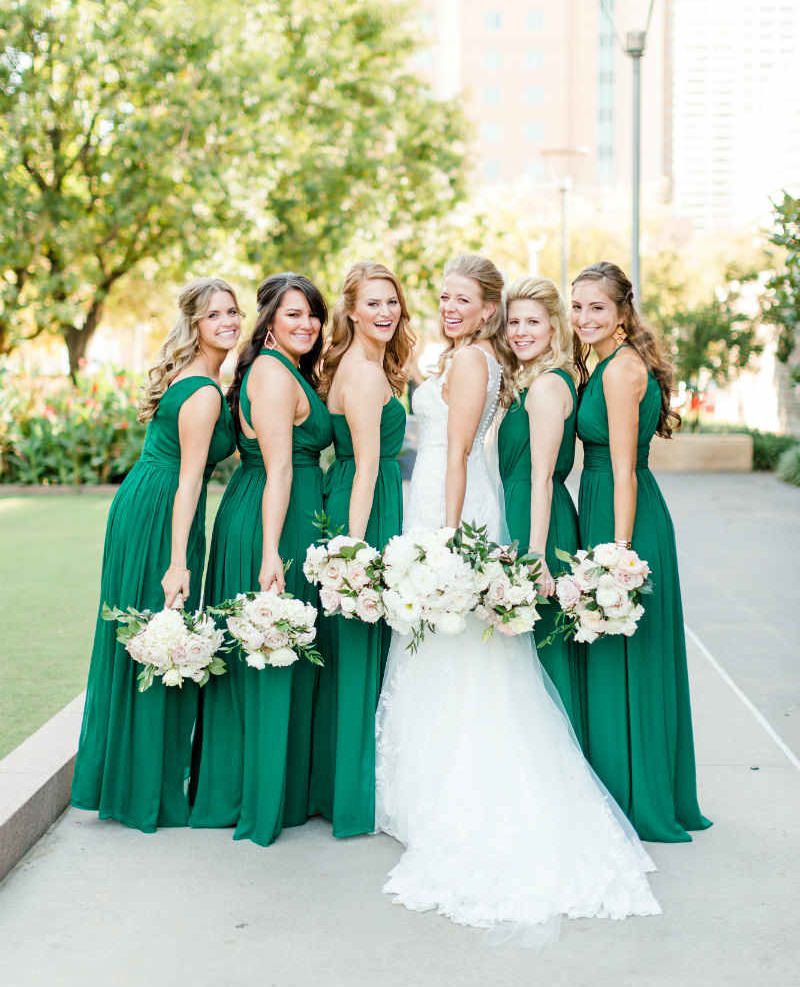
point(620, 335)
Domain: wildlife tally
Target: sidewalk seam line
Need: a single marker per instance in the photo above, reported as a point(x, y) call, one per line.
point(759, 716)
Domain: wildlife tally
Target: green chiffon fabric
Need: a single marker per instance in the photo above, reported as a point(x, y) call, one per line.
point(252, 755)
point(564, 661)
point(134, 751)
point(343, 774)
point(639, 724)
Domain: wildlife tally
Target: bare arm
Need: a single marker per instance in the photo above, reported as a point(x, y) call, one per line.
point(548, 403)
point(466, 394)
point(196, 420)
point(363, 399)
point(624, 383)
point(274, 398)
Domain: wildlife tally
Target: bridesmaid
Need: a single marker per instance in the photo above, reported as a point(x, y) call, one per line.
point(363, 372)
point(253, 743)
point(536, 452)
point(133, 758)
point(639, 737)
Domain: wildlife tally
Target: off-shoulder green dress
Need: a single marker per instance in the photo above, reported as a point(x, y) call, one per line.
point(638, 714)
point(134, 752)
point(252, 756)
point(343, 775)
point(564, 661)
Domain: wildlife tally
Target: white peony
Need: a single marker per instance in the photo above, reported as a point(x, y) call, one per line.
point(281, 657)
point(606, 555)
point(348, 605)
point(256, 660)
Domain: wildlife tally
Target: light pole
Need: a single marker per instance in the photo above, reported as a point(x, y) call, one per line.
point(560, 158)
point(634, 47)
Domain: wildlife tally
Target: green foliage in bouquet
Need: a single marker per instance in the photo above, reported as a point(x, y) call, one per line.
point(54, 432)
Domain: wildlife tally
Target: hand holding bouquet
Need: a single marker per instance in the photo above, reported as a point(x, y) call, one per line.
point(600, 595)
point(173, 645)
point(272, 628)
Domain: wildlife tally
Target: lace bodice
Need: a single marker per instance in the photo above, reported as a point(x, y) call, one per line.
point(426, 506)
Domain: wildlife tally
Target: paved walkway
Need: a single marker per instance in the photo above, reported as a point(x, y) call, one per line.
point(96, 904)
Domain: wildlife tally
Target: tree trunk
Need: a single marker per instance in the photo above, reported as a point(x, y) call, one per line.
point(78, 340)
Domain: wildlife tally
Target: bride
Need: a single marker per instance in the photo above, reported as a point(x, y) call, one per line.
point(478, 772)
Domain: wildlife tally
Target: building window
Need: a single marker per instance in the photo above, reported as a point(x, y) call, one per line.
point(492, 20)
point(534, 131)
point(491, 95)
point(535, 20)
point(533, 60)
point(491, 133)
point(492, 60)
point(534, 94)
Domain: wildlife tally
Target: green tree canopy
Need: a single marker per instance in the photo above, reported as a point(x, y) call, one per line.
point(783, 289)
point(135, 131)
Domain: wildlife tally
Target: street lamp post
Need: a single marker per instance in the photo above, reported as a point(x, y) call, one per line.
point(634, 47)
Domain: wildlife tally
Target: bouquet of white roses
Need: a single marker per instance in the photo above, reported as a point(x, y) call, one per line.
point(507, 582)
point(600, 595)
point(348, 572)
point(173, 645)
point(429, 586)
point(272, 628)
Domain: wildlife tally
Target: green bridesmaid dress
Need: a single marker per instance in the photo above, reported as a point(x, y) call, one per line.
point(252, 756)
point(564, 661)
point(638, 714)
point(343, 774)
point(134, 752)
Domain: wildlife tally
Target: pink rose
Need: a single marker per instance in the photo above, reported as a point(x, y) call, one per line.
point(568, 592)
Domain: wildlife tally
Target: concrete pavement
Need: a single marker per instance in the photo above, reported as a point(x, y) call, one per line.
point(95, 903)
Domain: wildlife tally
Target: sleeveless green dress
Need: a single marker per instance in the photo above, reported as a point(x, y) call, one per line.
point(252, 754)
point(639, 721)
point(564, 661)
point(343, 774)
point(134, 752)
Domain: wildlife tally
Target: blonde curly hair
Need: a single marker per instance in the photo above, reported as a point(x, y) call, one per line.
point(562, 351)
point(181, 345)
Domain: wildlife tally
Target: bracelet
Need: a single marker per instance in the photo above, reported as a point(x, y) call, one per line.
point(621, 543)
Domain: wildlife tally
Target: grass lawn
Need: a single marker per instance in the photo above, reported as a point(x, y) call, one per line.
point(52, 547)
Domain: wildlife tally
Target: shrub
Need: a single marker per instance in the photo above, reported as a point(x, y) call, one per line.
point(789, 465)
point(54, 431)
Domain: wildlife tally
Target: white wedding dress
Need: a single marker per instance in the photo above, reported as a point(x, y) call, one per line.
point(478, 772)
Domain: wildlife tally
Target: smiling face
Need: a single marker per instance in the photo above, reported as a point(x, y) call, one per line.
point(462, 309)
point(220, 327)
point(294, 329)
point(595, 317)
point(377, 310)
point(529, 329)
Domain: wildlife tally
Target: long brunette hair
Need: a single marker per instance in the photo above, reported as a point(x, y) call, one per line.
point(269, 296)
point(398, 349)
point(617, 285)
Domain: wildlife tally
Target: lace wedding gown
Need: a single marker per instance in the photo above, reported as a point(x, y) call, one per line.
point(478, 772)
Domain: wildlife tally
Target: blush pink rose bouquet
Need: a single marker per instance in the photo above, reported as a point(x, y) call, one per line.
point(601, 593)
point(272, 628)
point(348, 573)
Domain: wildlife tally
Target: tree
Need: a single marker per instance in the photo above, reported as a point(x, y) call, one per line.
point(136, 131)
point(782, 302)
point(711, 342)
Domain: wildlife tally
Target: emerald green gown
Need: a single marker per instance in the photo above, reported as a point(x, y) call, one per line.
point(134, 752)
point(252, 756)
point(564, 661)
point(638, 715)
point(343, 774)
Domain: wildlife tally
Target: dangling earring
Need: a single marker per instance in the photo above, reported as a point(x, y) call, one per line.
point(620, 335)
point(269, 340)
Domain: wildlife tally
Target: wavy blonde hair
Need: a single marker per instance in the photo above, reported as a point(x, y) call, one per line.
point(399, 347)
point(181, 345)
point(490, 281)
point(617, 285)
point(563, 349)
